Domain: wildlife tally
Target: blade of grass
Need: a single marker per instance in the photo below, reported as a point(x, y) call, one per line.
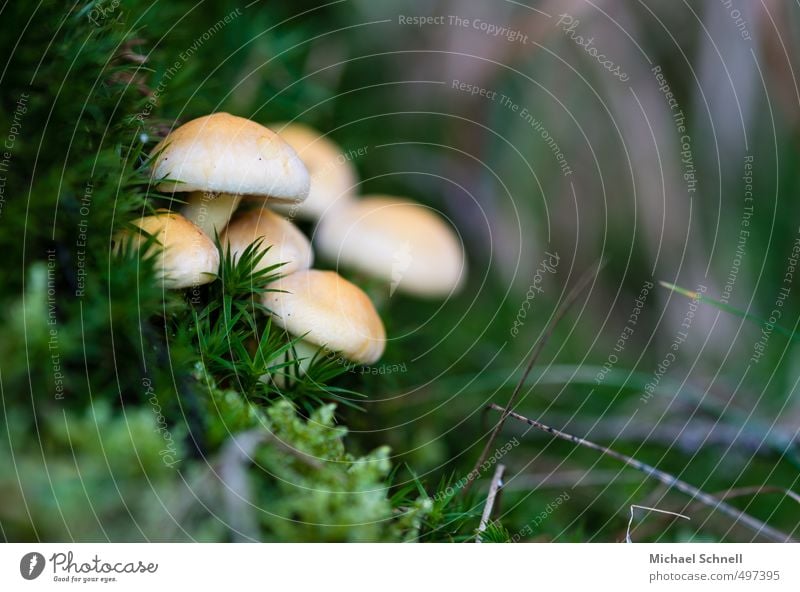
point(570, 299)
point(725, 307)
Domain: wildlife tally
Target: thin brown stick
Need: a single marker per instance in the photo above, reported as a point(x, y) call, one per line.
point(572, 296)
point(758, 490)
point(673, 482)
point(568, 478)
point(491, 497)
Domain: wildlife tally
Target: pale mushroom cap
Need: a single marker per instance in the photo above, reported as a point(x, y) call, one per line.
point(333, 176)
point(186, 256)
point(396, 240)
point(222, 153)
point(325, 309)
point(287, 244)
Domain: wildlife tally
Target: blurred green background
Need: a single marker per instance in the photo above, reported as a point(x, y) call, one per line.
point(89, 88)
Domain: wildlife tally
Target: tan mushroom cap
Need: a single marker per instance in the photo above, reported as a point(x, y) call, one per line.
point(222, 153)
point(325, 309)
point(396, 240)
point(286, 243)
point(186, 256)
point(333, 176)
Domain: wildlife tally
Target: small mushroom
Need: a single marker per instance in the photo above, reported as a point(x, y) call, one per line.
point(282, 241)
point(333, 176)
point(211, 211)
point(396, 240)
point(221, 157)
point(329, 314)
point(186, 256)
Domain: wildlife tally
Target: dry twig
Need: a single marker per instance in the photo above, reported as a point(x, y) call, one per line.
point(634, 506)
point(673, 482)
point(491, 497)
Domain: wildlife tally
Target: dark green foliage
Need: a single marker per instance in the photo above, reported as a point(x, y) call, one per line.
point(495, 533)
point(113, 402)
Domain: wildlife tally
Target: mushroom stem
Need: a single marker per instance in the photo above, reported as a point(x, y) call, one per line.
point(305, 352)
point(211, 211)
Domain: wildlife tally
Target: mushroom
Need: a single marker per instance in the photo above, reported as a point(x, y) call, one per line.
point(211, 211)
point(221, 157)
point(395, 240)
point(333, 176)
point(329, 314)
point(186, 257)
point(282, 241)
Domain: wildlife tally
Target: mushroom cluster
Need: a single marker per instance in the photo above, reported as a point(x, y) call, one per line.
point(403, 244)
point(222, 161)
